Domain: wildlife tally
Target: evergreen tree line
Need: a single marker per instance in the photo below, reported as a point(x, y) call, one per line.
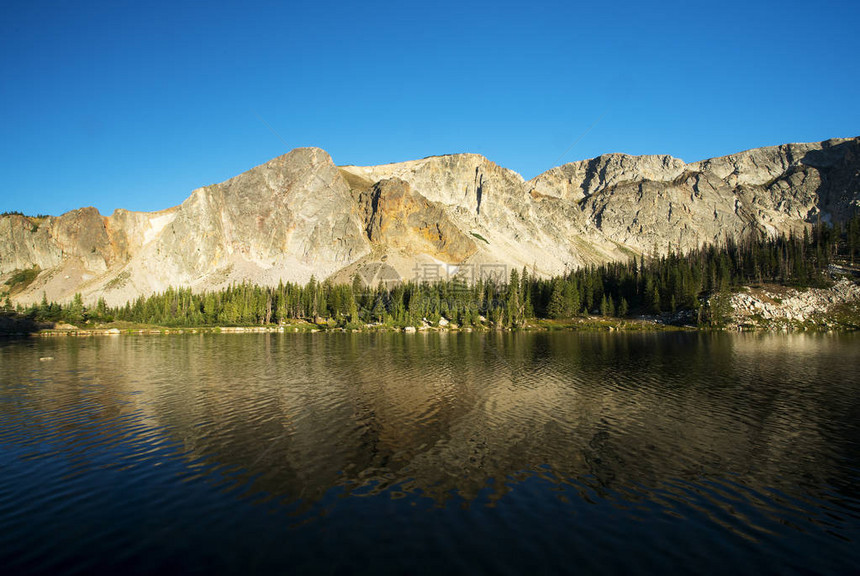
point(654, 285)
point(17, 213)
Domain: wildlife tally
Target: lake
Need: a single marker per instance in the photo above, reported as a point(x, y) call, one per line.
point(431, 453)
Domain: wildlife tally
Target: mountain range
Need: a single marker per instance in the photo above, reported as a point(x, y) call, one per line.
point(461, 215)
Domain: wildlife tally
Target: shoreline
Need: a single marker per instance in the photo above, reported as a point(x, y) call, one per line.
point(583, 325)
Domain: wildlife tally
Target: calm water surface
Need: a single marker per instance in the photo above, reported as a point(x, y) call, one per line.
point(431, 453)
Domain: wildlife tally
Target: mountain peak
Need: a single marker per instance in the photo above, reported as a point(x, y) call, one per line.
point(299, 215)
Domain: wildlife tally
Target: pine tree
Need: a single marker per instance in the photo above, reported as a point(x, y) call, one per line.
point(571, 298)
point(513, 311)
point(75, 312)
point(101, 309)
point(655, 300)
point(556, 308)
point(526, 294)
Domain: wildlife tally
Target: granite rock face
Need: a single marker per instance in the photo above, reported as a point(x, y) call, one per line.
point(397, 218)
point(287, 219)
point(300, 215)
point(657, 203)
point(579, 180)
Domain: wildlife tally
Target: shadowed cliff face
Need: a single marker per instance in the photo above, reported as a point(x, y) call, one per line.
point(299, 215)
point(838, 166)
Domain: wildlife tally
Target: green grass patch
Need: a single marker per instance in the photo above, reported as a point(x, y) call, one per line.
point(20, 279)
point(479, 237)
point(846, 316)
point(119, 281)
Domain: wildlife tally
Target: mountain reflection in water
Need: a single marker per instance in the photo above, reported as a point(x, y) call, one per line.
point(749, 440)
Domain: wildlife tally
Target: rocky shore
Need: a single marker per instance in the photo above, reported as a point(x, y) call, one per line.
point(781, 308)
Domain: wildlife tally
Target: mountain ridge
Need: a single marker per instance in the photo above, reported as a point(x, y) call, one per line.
point(299, 215)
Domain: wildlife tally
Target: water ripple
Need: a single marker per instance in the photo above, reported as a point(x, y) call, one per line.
point(462, 452)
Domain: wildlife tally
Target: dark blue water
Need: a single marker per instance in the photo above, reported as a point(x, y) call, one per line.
point(431, 453)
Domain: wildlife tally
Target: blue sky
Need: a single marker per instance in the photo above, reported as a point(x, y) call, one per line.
point(135, 104)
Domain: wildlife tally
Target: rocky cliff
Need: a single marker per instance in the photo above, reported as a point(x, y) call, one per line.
point(301, 215)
